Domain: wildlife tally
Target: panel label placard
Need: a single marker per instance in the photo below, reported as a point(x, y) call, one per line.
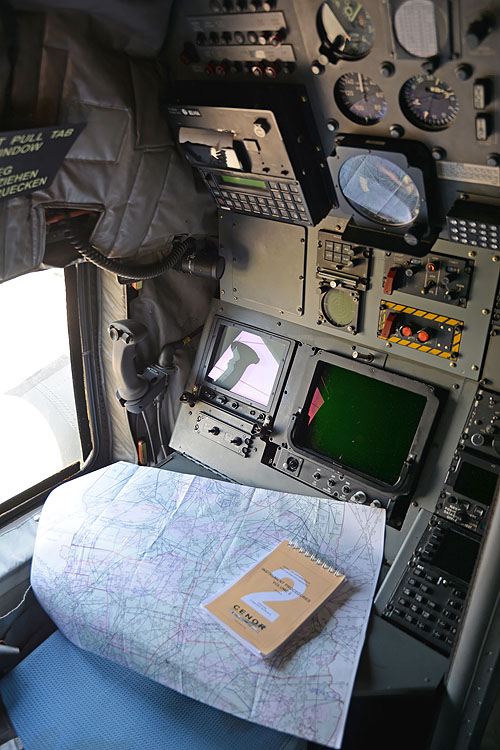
point(30, 159)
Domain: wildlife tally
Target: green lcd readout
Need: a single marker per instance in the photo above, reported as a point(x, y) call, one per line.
point(243, 181)
point(359, 422)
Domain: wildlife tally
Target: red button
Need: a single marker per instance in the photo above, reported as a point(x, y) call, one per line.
point(423, 336)
point(407, 331)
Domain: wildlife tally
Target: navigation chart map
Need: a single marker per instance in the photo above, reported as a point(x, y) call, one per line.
point(125, 556)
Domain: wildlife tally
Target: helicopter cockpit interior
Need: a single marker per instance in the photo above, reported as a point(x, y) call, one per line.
point(277, 226)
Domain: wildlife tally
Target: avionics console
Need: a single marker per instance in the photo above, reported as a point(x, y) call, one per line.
point(344, 433)
point(261, 156)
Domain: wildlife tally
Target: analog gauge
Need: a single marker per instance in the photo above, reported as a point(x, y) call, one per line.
point(428, 102)
point(379, 189)
point(339, 307)
point(346, 29)
point(360, 99)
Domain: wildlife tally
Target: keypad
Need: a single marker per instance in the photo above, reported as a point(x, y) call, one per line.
point(474, 233)
point(474, 224)
point(284, 201)
point(432, 612)
point(338, 252)
point(428, 603)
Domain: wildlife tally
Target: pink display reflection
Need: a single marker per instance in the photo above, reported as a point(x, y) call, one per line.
point(257, 378)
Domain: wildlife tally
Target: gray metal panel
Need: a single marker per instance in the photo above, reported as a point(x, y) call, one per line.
point(399, 564)
point(491, 372)
point(264, 263)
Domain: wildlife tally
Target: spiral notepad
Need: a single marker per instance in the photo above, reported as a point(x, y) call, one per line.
point(270, 601)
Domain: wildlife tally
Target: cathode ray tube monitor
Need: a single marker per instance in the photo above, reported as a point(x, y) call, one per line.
point(246, 362)
point(367, 421)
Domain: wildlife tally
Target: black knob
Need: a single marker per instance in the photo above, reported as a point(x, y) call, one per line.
point(479, 30)
point(438, 153)
point(387, 69)
point(237, 441)
point(430, 65)
point(396, 131)
point(316, 475)
point(261, 127)
point(493, 160)
point(214, 430)
point(292, 463)
point(277, 38)
point(463, 72)
point(317, 68)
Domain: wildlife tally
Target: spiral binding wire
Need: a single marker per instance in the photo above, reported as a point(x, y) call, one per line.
point(309, 555)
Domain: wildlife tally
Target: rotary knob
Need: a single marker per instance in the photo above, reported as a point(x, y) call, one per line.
point(358, 497)
point(477, 439)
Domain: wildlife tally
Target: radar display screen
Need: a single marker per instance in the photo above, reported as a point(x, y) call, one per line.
point(247, 363)
point(476, 483)
point(359, 422)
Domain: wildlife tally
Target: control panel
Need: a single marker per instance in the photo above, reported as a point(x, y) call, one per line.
point(427, 332)
point(353, 153)
point(255, 160)
point(474, 474)
point(433, 276)
point(429, 600)
point(342, 273)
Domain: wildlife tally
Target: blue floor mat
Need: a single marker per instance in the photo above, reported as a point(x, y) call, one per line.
point(63, 698)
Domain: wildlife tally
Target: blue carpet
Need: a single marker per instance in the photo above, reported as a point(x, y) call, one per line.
point(63, 698)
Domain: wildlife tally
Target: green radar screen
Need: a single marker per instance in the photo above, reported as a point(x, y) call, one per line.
point(30, 159)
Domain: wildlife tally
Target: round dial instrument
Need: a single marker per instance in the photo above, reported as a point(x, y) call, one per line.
point(338, 307)
point(360, 99)
point(428, 102)
point(347, 28)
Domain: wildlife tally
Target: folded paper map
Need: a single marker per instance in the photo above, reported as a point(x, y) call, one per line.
point(125, 556)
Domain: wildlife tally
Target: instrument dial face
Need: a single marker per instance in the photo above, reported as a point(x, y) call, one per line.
point(428, 102)
point(347, 27)
point(360, 99)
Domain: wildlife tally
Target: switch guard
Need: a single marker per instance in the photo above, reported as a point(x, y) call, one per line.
point(445, 333)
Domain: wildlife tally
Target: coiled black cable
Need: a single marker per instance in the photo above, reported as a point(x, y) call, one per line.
point(127, 271)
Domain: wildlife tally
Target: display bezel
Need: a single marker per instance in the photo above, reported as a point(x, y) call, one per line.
point(205, 384)
point(420, 439)
point(414, 159)
point(480, 463)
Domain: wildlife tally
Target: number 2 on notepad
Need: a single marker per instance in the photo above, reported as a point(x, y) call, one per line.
point(257, 600)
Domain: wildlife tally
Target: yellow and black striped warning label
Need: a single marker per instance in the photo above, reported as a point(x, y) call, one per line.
point(445, 333)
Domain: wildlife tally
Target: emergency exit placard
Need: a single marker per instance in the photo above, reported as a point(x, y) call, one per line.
point(30, 159)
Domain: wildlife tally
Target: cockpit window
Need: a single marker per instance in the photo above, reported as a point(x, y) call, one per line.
point(39, 433)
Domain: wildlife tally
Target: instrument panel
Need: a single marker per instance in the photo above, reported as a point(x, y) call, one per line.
point(384, 287)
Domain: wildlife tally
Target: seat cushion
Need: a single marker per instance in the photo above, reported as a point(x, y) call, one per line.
point(64, 698)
